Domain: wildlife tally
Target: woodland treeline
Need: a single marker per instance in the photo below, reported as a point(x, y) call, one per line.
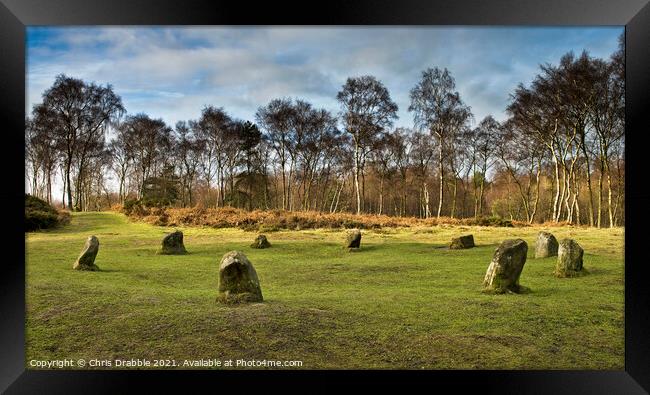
point(559, 156)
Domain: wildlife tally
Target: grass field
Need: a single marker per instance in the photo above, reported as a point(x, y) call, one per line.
point(403, 302)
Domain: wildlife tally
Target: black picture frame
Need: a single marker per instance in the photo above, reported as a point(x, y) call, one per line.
point(15, 15)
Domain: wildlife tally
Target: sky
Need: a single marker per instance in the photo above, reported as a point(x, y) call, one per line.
point(174, 72)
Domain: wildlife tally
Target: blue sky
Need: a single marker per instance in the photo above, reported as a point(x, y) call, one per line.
point(173, 72)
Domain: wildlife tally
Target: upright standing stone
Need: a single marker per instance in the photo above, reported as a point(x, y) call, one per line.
point(353, 239)
point(503, 273)
point(261, 242)
point(172, 244)
point(569, 259)
point(238, 280)
point(86, 260)
point(462, 242)
point(546, 245)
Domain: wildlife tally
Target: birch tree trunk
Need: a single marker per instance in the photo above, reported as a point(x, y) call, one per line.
point(441, 179)
point(453, 202)
point(356, 176)
point(556, 198)
point(609, 195)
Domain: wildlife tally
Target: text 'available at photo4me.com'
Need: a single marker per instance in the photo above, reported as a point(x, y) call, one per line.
point(137, 363)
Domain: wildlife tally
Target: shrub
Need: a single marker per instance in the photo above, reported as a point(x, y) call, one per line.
point(133, 207)
point(40, 215)
point(127, 207)
point(64, 217)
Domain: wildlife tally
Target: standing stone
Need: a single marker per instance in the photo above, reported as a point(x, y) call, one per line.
point(546, 245)
point(503, 273)
point(238, 280)
point(353, 239)
point(86, 260)
point(261, 242)
point(462, 242)
point(172, 244)
point(569, 259)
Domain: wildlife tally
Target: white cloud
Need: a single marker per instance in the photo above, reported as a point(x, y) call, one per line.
point(173, 72)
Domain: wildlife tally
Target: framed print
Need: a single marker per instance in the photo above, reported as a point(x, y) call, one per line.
point(380, 193)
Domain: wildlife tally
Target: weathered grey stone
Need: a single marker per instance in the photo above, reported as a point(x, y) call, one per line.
point(546, 245)
point(353, 239)
point(238, 280)
point(462, 242)
point(261, 242)
point(86, 260)
point(569, 259)
point(503, 273)
point(172, 244)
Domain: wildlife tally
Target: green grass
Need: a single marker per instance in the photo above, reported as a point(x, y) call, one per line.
point(402, 302)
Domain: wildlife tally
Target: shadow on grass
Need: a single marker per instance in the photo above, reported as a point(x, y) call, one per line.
point(108, 270)
point(476, 246)
point(367, 248)
point(158, 253)
point(522, 290)
point(98, 270)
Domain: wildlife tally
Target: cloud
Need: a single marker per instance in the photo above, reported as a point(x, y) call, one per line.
point(173, 72)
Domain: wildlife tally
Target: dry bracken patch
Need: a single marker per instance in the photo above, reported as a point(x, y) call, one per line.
point(272, 220)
